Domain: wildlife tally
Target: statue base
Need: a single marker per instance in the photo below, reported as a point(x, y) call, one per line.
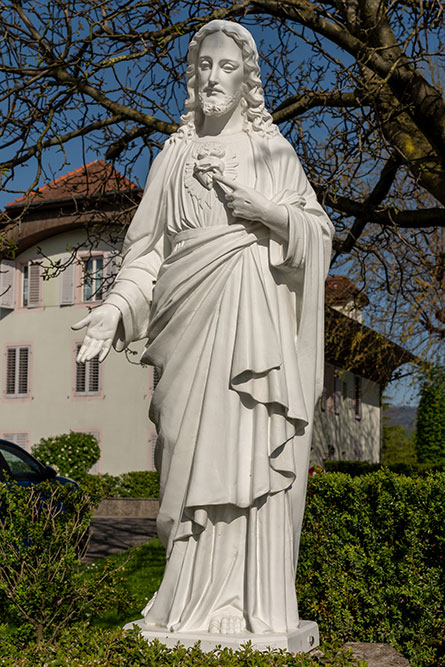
point(303, 639)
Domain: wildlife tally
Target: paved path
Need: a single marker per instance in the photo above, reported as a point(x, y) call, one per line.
point(111, 535)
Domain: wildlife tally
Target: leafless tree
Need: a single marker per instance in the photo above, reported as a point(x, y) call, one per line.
point(353, 84)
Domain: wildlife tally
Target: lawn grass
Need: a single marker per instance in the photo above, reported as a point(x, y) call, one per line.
point(142, 570)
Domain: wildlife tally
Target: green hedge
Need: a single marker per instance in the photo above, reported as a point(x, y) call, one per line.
point(371, 561)
point(371, 568)
point(137, 484)
point(355, 468)
point(83, 646)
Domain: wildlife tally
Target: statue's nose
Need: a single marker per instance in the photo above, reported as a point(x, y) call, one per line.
point(213, 78)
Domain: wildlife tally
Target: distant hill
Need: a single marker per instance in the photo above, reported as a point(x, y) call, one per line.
point(401, 415)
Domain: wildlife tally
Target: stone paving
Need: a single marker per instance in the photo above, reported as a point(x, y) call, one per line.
point(113, 535)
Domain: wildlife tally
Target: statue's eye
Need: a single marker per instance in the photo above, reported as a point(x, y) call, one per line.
point(205, 64)
point(228, 67)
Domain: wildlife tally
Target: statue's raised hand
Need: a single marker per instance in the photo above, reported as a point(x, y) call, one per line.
point(249, 204)
point(101, 326)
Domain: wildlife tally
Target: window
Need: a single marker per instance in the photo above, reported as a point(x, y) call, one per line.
point(25, 284)
point(17, 371)
point(337, 394)
point(31, 285)
point(331, 398)
point(93, 278)
point(20, 439)
point(87, 376)
point(358, 397)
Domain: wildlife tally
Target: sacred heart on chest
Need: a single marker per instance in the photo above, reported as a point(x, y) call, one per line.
point(207, 161)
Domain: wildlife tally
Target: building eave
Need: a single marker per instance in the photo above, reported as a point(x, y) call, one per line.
point(353, 346)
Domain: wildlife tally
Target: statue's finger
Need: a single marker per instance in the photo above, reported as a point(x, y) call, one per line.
point(219, 178)
point(93, 349)
point(81, 323)
point(83, 349)
point(106, 346)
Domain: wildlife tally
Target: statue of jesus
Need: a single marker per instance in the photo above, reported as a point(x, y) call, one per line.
point(223, 273)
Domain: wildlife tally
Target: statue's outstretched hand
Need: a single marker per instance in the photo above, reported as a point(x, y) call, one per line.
point(249, 204)
point(101, 326)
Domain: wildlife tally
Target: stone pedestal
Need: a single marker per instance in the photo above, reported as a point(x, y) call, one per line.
point(301, 640)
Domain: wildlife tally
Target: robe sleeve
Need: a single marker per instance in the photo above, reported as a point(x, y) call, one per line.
point(143, 253)
point(291, 254)
point(302, 260)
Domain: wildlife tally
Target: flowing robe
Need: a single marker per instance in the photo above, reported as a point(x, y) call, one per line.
point(235, 328)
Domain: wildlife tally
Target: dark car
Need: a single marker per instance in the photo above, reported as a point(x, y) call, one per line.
point(26, 470)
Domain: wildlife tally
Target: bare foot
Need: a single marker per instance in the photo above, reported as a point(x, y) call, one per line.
point(227, 625)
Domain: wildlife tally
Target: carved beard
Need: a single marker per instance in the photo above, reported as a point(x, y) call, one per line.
point(213, 108)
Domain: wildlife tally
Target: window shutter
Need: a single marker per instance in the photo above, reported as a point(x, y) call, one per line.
point(10, 369)
point(7, 283)
point(93, 375)
point(80, 374)
point(34, 285)
point(23, 370)
point(337, 395)
point(358, 397)
point(87, 375)
point(20, 439)
point(67, 282)
point(156, 378)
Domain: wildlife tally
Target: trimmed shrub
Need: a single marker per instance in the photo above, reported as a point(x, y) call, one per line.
point(98, 487)
point(137, 484)
point(430, 431)
point(44, 530)
point(371, 562)
point(355, 468)
point(72, 454)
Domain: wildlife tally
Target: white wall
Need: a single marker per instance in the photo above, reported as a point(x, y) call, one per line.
point(119, 413)
point(342, 436)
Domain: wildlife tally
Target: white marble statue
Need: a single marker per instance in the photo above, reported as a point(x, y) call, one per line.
point(223, 272)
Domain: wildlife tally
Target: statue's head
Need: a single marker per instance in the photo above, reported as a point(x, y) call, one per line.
point(223, 73)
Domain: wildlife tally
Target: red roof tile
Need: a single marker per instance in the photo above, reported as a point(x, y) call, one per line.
point(94, 178)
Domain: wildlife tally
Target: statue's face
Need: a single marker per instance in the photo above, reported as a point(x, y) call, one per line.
point(220, 74)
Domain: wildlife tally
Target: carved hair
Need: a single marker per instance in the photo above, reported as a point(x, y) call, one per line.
point(257, 118)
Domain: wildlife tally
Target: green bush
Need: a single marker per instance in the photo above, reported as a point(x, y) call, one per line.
point(355, 468)
point(137, 484)
point(44, 531)
point(430, 431)
point(371, 562)
point(98, 487)
point(83, 645)
point(72, 454)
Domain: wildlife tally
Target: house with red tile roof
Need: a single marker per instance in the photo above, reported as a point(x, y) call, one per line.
point(66, 238)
